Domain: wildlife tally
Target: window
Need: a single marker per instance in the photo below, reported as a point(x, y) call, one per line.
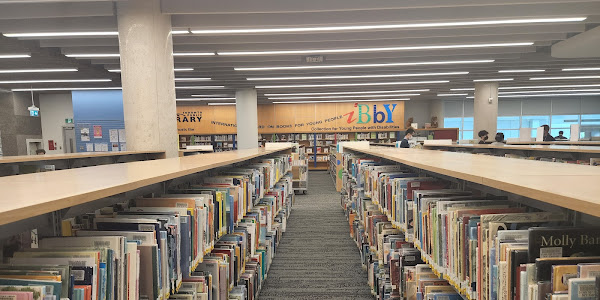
point(534, 122)
point(509, 126)
point(453, 123)
point(563, 123)
point(587, 120)
point(464, 125)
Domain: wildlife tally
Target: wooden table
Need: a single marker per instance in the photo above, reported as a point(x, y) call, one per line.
point(580, 143)
point(546, 148)
point(30, 195)
point(65, 156)
point(575, 187)
point(185, 152)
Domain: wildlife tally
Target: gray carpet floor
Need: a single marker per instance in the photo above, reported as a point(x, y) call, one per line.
point(317, 258)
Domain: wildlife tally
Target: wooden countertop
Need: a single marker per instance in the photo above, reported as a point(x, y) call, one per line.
point(32, 158)
point(580, 143)
point(567, 185)
point(549, 148)
point(30, 195)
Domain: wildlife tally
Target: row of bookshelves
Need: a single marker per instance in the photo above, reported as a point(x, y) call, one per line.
point(220, 142)
point(429, 237)
point(211, 236)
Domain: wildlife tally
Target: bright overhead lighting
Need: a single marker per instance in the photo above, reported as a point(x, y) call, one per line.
point(357, 76)
point(10, 71)
point(348, 93)
point(180, 31)
point(333, 101)
point(221, 103)
point(86, 55)
point(550, 91)
point(423, 63)
point(343, 96)
point(176, 70)
point(581, 69)
point(564, 77)
point(204, 99)
point(548, 86)
point(521, 71)
point(377, 49)
point(451, 95)
point(194, 54)
point(493, 79)
point(212, 95)
point(349, 84)
point(193, 79)
point(548, 95)
point(384, 26)
point(14, 55)
point(463, 89)
point(53, 81)
point(59, 34)
point(205, 87)
point(65, 89)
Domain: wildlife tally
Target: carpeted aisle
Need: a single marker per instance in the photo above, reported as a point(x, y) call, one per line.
point(317, 258)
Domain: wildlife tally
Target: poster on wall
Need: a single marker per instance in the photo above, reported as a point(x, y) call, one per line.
point(97, 131)
point(89, 147)
point(121, 135)
point(123, 147)
point(114, 135)
point(85, 134)
point(115, 147)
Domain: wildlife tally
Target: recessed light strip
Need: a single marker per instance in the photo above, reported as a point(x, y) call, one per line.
point(204, 99)
point(423, 63)
point(349, 84)
point(15, 55)
point(59, 34)
point(333, 101)
point(349, 93)
point(564, 78)
point(581, 69)
point(93, 55)
point(343, 96)
point(356, 76)
point(53, 81)
point(377, 49)
point(221, 104)
point(11, 71)
point(193, 79)
point(176, 70)
point(493, 79)
point(521, 71)
point(205, 87)
point(548, 95)
point(212, 95)
point(65, 89)
point(534, 87)
point(451, 95)
point(549, 91)
point(386, 26)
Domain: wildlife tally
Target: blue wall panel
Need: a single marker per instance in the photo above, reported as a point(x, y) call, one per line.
point(100, 108)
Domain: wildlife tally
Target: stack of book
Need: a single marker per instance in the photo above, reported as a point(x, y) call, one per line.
point(211, 240)
point(421, 239)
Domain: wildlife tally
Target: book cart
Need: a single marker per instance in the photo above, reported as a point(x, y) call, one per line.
point(466, 257)
point(48, 210)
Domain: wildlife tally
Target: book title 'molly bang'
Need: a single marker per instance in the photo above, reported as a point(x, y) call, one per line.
point(365, 114)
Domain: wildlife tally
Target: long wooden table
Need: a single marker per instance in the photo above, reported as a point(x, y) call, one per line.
point(65, 156)
point(571, 186)
point(579, 143)
point(546, 148)
point(30, 195)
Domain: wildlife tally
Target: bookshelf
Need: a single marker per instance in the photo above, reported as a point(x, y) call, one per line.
point(220, 142)
point(527, 189)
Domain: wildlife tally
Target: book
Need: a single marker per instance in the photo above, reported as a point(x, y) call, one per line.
point(582, 289)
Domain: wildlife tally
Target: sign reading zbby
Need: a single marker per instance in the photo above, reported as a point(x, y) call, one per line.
point(311, 59)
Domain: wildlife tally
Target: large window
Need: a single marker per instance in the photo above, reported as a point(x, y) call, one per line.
point(534, 122)
point(509, 126)
point(563, 123)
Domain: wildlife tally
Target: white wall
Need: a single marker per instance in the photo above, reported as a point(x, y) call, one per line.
point(54, 109)
point(419, 110)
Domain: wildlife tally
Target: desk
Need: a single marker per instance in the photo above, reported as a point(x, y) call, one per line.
point(580, 143)
point(30, 195)
point(566, 185)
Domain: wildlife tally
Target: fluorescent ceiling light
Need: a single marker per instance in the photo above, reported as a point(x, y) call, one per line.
point(377, 49)
point(212, 95)
point(14, 55)
point(333, 101)
point(581, 69)
point(59, 34)
point(205, 87)
point(451, 95)
point(10, 71)
point(550, 91)
point(349, 84)
point(343, 96)
point(221, 103)
point(548, 95)
point(564, 77)
point(193, 79)
point(521, 71)
point(53, 81)
point(194, 54)
point(180, 31)
point(463, 89)
point(176, 70)
point(205, 99)
point(548, 86)
point(385, 26)
point(348, 93)
point(85, 55)
point(493, 79)
point(357, 76)
point(423, 63)
point(65, 89)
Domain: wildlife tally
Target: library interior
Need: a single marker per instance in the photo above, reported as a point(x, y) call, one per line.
point(268, 149)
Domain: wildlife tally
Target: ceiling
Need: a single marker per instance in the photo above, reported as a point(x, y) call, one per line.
point(189, 15)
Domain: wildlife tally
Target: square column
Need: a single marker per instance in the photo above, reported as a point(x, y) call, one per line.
point(247, 119)
point(147, 76)
point(485, 110)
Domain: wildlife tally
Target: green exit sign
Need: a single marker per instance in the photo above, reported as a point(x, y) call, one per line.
point(69, 121)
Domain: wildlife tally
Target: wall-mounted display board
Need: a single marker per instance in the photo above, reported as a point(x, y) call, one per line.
point(296, 118)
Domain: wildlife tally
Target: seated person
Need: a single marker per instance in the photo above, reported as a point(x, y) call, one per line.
point(547, 136)
point(483, 137)
point(40, 152)
point(407, 136)
point(499, 139)
point(560, 136)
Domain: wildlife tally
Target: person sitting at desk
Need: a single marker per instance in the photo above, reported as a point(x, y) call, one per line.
point(407, 136)
point(40, 152)
point(483, 137)
point(547, 136)
point(560, 136)
point(499, 139)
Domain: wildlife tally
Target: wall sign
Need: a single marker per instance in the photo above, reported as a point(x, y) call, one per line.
point(296, 118)
point(312, 59)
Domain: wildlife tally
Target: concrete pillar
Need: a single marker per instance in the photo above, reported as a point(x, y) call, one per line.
point(247, 119)
point(147, 76)
point(485, 110)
